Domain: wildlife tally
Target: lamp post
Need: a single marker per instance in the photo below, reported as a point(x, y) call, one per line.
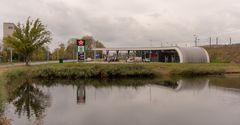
point(73, 51)
point(11, 49)
point(195, 41)
point(47, 55)
point(150, 55)
point(95, 42)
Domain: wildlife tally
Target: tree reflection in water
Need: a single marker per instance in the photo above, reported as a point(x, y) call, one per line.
point(29, 100)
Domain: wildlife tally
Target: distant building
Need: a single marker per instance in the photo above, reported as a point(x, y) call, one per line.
point(8, 29)
point(164, 54)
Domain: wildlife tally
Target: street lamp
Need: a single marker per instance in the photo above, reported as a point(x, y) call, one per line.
point(150, 55)
point(11, 49)
point(95, 43)
point(196, 40)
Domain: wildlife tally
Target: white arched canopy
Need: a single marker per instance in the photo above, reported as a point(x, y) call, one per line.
point(185, 54)
point(192, 55)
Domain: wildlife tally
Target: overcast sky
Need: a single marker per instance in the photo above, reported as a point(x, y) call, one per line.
point(121, 23)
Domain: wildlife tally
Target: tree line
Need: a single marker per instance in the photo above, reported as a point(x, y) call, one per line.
point(29, 42)
point(70, 51)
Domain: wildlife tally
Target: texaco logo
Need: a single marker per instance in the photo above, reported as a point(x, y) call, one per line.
point(80, 42)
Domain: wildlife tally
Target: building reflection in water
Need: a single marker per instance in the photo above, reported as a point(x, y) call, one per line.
point(180, 85)
point(81, 94)
point(192, 84)
point(185, 84)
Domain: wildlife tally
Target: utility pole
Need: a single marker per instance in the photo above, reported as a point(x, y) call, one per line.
point(150, 55)
point(230, 40)
point(210, 41)
point(47, 52)
point(196, 39)
point(11, 53)
point(73, 51)
point(95, 42)
point(58, 50)
point(58, 54)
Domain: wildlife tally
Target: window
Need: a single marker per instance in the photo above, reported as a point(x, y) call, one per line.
point(10, 27)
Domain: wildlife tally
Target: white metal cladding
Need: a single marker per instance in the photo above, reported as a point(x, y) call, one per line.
point(193, 55)
point(186, 54)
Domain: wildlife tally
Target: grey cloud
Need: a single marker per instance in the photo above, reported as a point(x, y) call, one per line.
point(129, 23)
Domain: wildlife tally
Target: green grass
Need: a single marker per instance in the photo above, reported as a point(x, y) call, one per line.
point(81, 71)
point(224, 53)
point(3, 100)
point(102, 71)
point(3, 95)
point(170, 69)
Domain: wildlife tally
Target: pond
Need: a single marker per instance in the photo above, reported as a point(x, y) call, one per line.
point(195, 101)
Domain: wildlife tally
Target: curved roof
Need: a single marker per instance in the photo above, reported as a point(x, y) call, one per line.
point(193, 55)
point(186, 54)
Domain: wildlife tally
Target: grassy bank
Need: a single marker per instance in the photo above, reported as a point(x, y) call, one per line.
point(101, 71)
point(3, 95)
point(3, 98)
point(224, 53)
point(81, 71)
point(172, 69)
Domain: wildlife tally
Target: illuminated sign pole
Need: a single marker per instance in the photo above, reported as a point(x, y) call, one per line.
point(81, 49)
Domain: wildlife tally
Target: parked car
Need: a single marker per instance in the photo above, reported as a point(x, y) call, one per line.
point(111, 59)
point(147, 60)
point(130, 60)
point(89, 59)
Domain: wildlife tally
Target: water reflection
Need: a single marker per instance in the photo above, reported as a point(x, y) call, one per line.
point(227, 82)
point(169, 84)
point(192, 84)
point(29, 100)
point(174, 86)
point(126, 101)
point(81, 94)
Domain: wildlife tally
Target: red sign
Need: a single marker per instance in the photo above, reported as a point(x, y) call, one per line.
point(80, 42)
point(154, 55)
